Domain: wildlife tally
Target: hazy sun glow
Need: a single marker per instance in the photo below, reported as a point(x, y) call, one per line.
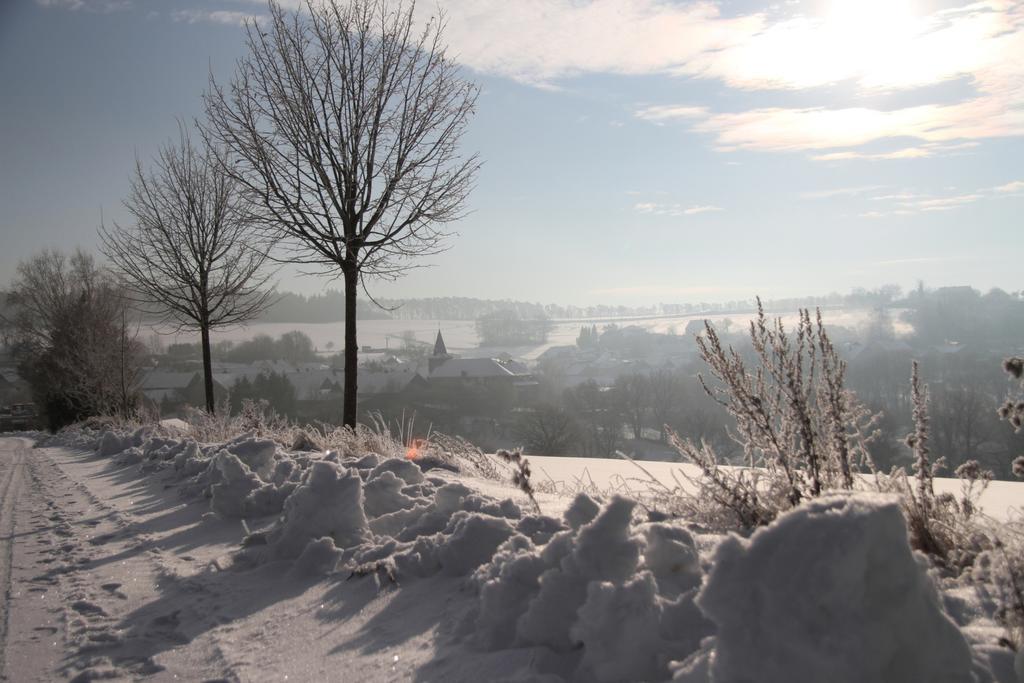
point(867, 38)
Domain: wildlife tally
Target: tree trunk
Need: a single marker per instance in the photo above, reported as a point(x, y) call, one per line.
point(351, 349)
point(207, 370)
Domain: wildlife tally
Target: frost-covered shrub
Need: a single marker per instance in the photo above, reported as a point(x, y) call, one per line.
point(999, 572)
point(830, 591)
point(803, 433)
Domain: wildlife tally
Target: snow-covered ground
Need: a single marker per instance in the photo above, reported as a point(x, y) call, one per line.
point(124, 558)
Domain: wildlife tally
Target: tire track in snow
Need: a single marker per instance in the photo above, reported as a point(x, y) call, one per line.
point(12, 465)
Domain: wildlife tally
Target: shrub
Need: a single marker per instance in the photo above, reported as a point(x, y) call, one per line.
point(798, 426)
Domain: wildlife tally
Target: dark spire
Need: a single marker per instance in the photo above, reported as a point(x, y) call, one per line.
point(439, 347)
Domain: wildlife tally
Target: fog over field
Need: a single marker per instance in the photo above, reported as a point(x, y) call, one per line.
point(461, 335)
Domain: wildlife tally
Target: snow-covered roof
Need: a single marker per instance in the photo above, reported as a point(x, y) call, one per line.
point(313, 383)
point(163, 379)
point(478, 368)
point(386, 382)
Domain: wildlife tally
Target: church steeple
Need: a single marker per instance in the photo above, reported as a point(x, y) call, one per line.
point(440, 355)
point(439, 348)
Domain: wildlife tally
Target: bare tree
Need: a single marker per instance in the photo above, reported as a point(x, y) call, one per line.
point(633, 392)
point(191, 256)
point(546, 430)
point(70, 334)
point(343, 124)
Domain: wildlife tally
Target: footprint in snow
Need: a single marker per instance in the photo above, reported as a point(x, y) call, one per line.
point(87, 608)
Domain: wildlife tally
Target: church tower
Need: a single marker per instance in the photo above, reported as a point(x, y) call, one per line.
point(440, 354)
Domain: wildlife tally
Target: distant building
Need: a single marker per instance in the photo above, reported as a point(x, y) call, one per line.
point(440, 356)
point(166, 388)
point(450, 373)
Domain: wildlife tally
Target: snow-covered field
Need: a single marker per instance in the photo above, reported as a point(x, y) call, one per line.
point(461, 338)
point(127, 556)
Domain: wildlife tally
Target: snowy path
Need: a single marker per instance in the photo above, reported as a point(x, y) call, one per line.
point(12, 460)
point(115, 576)
point(81, 561)
point(29, 624)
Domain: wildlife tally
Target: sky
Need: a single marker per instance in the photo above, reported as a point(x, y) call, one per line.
point(635, 151)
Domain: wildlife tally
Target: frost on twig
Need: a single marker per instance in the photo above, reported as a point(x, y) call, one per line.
point(520, 473)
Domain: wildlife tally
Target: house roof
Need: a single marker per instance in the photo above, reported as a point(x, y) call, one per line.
point(309, 384)
point(371, 383)
point(478, 368)
point(163, 379)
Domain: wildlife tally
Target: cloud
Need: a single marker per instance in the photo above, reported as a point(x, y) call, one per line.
point(979, 43)
point(669, 113)
point(838, 192)
point(656, 209)
point(911, 260)
point(229, 17)
point(1013, 186)
point(899, 196)
point(701, 209)
point(820, 128)
point(537, 41)
point(907, 202)
point(878, 44)
point(943, 203)
point(100, 6)
point(665, 290)
point(926, 150)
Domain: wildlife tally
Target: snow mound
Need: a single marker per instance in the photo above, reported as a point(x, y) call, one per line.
point(406, 470)
point(128, 456)
point(327, 503)
point(257, 454)
point(831, 591)
point(241, 493)
point(474, 539)
point(112, 443)
point(604, 597)
point(319, 557)
point(383, 495)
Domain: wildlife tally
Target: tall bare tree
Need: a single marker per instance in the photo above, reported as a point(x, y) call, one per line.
point(344, 122)
point(192, 255)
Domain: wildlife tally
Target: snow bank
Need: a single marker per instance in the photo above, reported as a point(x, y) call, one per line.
point(327, 503)
point(604, 587)
point(831, 591)
point(257, 454)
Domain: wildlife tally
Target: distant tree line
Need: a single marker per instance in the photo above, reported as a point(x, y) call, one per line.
point(329, 307)
point(272, 387)
point(964, 315)
point(507, 328)
point(292, 347)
